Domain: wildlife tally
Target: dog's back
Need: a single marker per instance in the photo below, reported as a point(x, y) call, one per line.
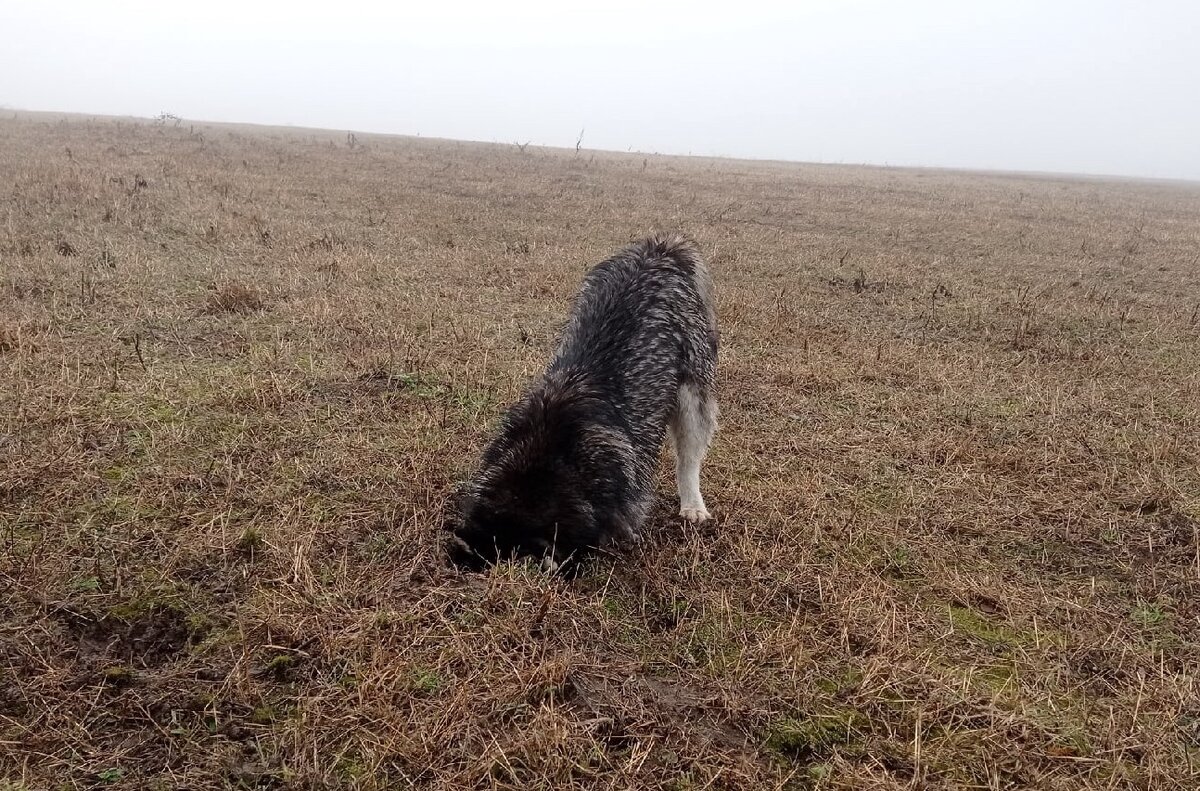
point(642, 327)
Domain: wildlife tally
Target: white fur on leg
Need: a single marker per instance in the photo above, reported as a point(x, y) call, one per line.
point(692, 430)
point(687, 478)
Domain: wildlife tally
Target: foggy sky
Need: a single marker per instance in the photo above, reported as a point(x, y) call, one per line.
point(1086, 86)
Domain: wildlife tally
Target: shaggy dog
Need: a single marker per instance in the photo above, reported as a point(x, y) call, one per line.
point(574, 464)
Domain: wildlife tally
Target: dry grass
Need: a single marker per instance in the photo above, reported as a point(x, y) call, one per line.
point(234, 298)
point(958, 485)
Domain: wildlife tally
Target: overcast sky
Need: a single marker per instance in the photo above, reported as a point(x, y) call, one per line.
point(1089, 86)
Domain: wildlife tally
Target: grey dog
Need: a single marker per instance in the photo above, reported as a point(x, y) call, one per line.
point(573, 465)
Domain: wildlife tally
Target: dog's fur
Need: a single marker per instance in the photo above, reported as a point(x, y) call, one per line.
point(574, 464)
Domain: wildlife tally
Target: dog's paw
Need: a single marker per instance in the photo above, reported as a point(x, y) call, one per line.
point(626, 533)
point(695, 515)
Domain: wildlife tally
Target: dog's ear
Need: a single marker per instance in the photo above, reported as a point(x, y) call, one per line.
point(456, 529)
point(451, 523)
point(462, 555)
point(458, 505)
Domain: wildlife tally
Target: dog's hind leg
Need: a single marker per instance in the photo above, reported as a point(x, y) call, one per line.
point(692, 427)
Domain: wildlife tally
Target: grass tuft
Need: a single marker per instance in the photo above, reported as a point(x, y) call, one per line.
point(814, 736)
point(234, 297)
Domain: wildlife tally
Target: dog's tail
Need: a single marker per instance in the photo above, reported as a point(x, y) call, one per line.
point(670, 246)
point(683, 252)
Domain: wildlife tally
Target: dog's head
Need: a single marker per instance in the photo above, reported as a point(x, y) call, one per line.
point(535, 494)
point(494, 524)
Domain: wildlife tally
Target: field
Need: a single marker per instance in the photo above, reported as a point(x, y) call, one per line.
point(957, 483)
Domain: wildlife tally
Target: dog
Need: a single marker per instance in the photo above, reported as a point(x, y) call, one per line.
point(573, 466)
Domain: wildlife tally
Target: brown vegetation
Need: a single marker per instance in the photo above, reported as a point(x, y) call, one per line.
point(957, 484)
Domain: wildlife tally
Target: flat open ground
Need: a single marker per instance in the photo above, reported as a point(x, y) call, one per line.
point(957, 485)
